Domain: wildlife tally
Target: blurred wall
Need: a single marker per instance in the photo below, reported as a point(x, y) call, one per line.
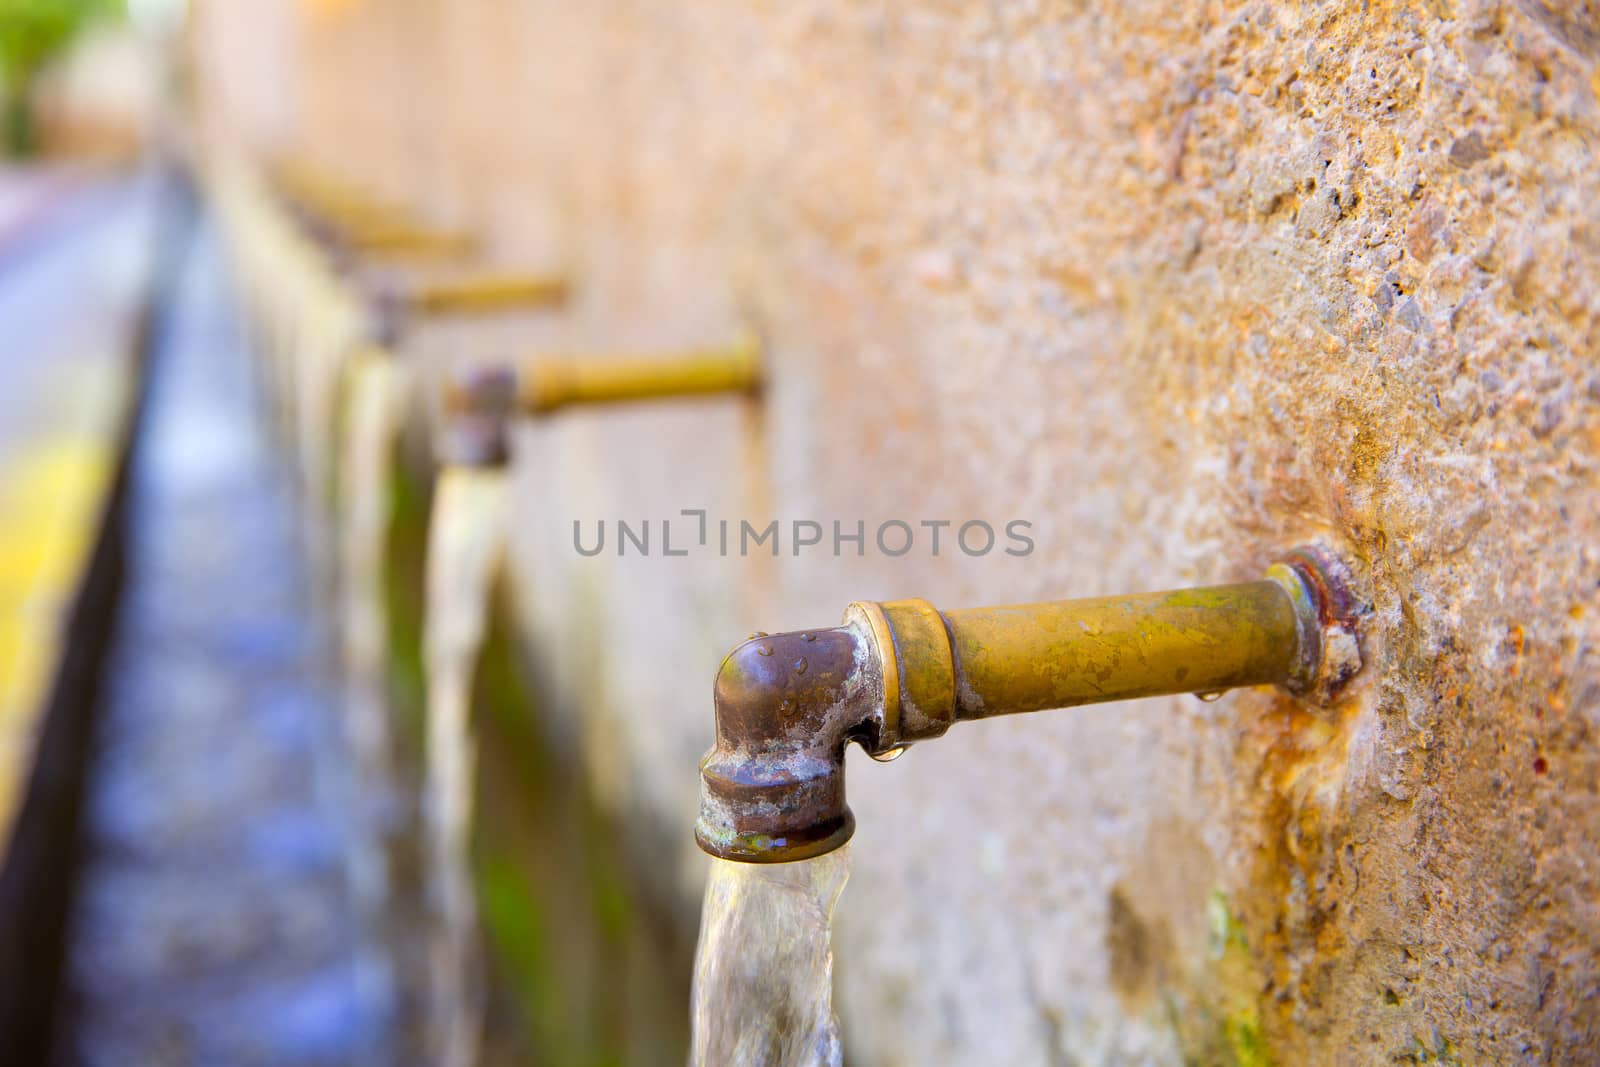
point(1180, 284)
point(247, 69)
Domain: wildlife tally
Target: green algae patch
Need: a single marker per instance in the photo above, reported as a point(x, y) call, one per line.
point(576, 978)
point(1218, 1017)
point(406, 551)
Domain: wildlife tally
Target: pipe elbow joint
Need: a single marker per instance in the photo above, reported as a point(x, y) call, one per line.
point(772, 786)
point(476, 409)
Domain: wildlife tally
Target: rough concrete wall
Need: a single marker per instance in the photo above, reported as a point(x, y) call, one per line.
point(1183, 285)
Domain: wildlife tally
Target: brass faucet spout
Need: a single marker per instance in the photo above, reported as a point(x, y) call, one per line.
point(353, 221)
point(487, 292)
point(407, 242)
point(482, 398)
point(903, 671)
point(550, 383)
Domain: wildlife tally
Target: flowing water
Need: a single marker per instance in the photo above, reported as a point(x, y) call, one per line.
point(375, 407)
point(465, 546)
point(763, 973)
point(376, 403)
point(316, 364)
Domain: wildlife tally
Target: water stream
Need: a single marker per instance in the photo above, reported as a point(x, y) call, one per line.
point(376, 407)
point(375, 399)
point(465, 546)
point(316, 364)
point(763, 972)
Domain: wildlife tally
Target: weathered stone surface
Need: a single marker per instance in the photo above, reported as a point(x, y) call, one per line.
point(1183, 285)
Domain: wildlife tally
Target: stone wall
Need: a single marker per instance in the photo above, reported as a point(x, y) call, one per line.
point(1181, 285)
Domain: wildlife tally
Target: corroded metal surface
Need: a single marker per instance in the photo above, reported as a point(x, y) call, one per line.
point(773, 788)
point(1035, 656)
point(900, 672)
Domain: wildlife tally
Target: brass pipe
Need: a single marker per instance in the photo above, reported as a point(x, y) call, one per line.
point(348, 222)
point(772, 787)
point(346, 237)
point(350, 211)
point(407, 241)
point(336, 205)
point(551, 383)
point(1118, 648)
point(478, 404)
point(357, 226)
point(357, 223)
point(494, 291)
point(396, 302)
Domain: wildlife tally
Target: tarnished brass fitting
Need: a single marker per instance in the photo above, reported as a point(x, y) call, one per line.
point(772, 787)
point(478, 403)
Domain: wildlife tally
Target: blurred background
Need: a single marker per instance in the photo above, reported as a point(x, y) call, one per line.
point(326, 737)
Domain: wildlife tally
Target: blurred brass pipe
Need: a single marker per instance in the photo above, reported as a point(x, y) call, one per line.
point(550, 383)
point(401, 241)
point(354, 223)
point(351, 211)
point(362, 224)
point(488, 292)
point(338, 203)
point(479, 403)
